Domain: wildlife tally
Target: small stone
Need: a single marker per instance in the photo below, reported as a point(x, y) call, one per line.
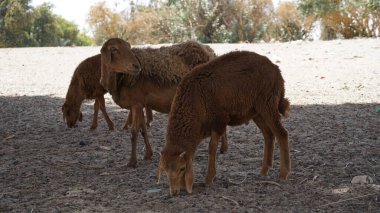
point(341, 190)
point(154, 190)
point(362, 179)
point(105, 148)
point(375, 187)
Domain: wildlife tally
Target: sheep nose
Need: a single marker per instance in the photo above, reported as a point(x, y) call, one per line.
point(137, 68)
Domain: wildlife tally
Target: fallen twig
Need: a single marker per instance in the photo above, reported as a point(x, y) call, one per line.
point(112, 173)
point(341, 201)
point(268, 182)
point(234, 201)
point(10, 137)
point(303, 181)
point(237, 183)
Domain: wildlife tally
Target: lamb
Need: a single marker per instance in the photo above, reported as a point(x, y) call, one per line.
point(229, 90)
point(85, 84)
point(146, 77)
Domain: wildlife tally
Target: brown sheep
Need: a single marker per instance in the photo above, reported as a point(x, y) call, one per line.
point(229, 90)
point(162, 70)
point(85, 84)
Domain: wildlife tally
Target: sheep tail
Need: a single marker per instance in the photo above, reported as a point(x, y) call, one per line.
point(284, 106)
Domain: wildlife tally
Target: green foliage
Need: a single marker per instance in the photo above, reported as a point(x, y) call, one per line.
point(23, 26)
point(212, 30)
point(236, 21)
point(69, 35)
point(345, 18)
point(14, 22)
point(44, 29)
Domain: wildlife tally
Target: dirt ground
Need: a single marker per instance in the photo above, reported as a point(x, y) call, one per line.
point(334, 133)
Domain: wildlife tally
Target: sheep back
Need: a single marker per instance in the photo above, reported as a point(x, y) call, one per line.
point(167, 65)
point(224, 91)
point(86, 78)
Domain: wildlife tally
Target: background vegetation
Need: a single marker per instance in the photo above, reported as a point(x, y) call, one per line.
point(208, 21)
point(24, 26)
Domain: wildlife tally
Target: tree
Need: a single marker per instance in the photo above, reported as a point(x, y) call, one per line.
point(212, 27)
point(68, 34)
point(144, 27)
point(347, 18)
point(14, 22)
point(105, 23)
point(289, 23)
point(45, 30)
point(248, 19)
point(22, 25)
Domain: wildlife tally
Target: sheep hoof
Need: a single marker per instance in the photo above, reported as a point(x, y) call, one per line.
point(284, 175)
point(208, 181)
point(132, 164)
point(93, 127)
point(148, 156)
point(111, 128)
point(264, 171)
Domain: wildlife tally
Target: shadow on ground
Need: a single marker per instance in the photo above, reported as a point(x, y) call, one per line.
point(46, 167)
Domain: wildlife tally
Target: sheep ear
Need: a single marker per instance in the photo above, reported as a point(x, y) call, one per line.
point(128, 44)
point(106, 53)
point(182, 155)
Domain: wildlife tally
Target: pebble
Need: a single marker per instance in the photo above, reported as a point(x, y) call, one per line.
point(362, 179)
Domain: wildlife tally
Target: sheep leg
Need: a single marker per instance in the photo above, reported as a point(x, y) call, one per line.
point(282, 137)
point(143, 131)
point(134, 132)
point(96, 112)
point(102, 105)
point(273, 120)
point(128, 122)
point(149, 116)
point(212, 149)
point(224, 144)
point(268, 145)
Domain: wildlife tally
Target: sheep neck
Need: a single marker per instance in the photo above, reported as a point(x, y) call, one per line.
point(74, 97)
point(184, 130)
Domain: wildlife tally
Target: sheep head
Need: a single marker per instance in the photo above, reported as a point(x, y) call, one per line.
point(179, 170)
point(118, 57)
point(71, 115)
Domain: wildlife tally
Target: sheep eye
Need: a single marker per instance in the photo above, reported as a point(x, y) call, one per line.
point(182, 169)
point(114, 50)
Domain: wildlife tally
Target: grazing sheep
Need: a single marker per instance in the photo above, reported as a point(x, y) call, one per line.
point(85, 84)
point(229, 90)
point(147, 77)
